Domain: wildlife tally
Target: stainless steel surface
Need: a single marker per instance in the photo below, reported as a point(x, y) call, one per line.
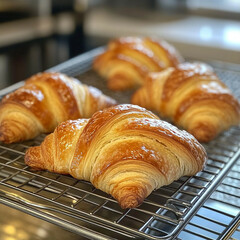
point(16, 225)
point(80, 208)
point(219, 217)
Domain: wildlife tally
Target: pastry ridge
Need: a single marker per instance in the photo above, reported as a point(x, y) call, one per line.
point(192, 97)
point(124, 150)
point(127, 60)
point(43, 102)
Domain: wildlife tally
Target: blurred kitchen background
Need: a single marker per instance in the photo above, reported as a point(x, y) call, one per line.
point(38, 34)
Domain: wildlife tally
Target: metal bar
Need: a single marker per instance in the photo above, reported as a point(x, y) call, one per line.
point(203, 228)
point(93, 219)
point(52, 219)
point(216, 181)
point(198, 235)
point(75, 62)
point(221, 201)
point(210, 219)
point(230, 230)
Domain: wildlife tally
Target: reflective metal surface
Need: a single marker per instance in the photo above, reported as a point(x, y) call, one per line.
point(16, 225)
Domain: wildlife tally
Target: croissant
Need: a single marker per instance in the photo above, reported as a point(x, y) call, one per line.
point(192, 97)
point(123, 150)
point(43, 102)
point(127, 61)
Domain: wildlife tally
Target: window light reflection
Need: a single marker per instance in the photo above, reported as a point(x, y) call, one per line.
point(232, 35)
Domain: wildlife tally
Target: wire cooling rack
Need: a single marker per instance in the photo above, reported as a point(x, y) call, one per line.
point(219, 217)
point(81, 208)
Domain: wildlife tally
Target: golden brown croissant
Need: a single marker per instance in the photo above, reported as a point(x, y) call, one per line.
point(127, 60)
point(124, 150)
point(43, 102)
point(192, 97)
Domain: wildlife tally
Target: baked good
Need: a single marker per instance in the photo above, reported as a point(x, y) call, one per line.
point(192, 97)
point(127, 60)
point(43, 102)
point(123, 150)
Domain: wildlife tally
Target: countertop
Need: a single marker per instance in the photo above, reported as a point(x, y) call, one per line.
point(194, 36)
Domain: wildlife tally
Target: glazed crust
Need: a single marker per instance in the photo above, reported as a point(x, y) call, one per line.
point(192, 97)
point(124, 150)
point(127, 60)
point(43, 102)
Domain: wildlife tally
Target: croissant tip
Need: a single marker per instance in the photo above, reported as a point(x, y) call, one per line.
point(33, 158)
point(131, 197)
point(203, 133)
point(6, 135)
point(2, 138)
point(27, 158)
point(130, 202)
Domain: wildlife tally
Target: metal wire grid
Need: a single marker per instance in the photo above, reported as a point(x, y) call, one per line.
point(232, 232)
point(163, 213)
point(219, 217)
point(235, 233)
point(158, 217)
